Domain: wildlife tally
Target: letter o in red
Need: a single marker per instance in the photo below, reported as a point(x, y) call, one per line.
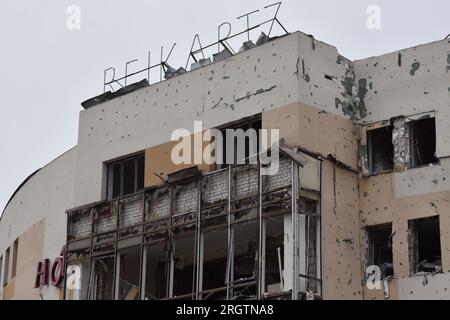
point(57, 272)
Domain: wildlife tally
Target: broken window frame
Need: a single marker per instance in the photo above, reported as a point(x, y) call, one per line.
point(243, 210)
point(278, 200)
point(138, 176)
point(366, 149)
point(414, 245)
point(92, 291)
point(280, 257)
point(167, 227)
point(412, 123)
point(310, 223)
point(248, 284)
point(403, 140)
point(254, 122)
point(185, 295)
point(145, 275)
point(184, 225)
point(212, 291)
point(373, 151)
point(371, 247)
point(120, 280)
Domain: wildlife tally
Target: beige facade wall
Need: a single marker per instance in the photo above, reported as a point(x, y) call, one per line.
point(378, 205)
point(315, 130)
point(340, 229)
point(30, 252)
point(409, 83)
point(159, 164)
point(9, 291)
point(325, 133)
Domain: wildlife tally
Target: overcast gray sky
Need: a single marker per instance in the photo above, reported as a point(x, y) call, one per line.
point(47, 70)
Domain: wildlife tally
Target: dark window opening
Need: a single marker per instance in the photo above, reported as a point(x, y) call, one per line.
point(116, 178)
point(157, 272)
point(129, 271)
point(244, 251)
point(423, 142)
point(425, 245)
point(125, 177)
point(183, 260)
point(380, 248)
point(310, 231)
point(101, 283)
point(214, 263)
point(274, 254)
point(140, 172)
point(381, 150)
point(250, 145)
point(129, 177)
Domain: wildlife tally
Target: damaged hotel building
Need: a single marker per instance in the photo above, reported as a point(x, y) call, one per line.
point(364, 181)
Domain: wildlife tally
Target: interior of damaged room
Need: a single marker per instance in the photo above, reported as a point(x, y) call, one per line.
point(225, 158)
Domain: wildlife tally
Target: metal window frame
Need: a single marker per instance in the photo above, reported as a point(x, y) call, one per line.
point(413, 242)
point(299, 261)
point(110, 175)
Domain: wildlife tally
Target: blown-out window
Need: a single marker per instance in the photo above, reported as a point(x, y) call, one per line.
point(422, 142)
point(125, 176)
point(101, 283)
point(240, 142)
point(425, 245)
point(380, 248)
point(214, 263)
point(183, 265)
point(156, 271)
point(381, 150)
point(128, 274)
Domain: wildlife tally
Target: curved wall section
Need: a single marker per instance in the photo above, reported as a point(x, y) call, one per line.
point(33, 228)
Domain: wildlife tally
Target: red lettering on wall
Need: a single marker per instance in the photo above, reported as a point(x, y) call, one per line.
point(58, 271)
point(42, 274)
point(55, 274)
